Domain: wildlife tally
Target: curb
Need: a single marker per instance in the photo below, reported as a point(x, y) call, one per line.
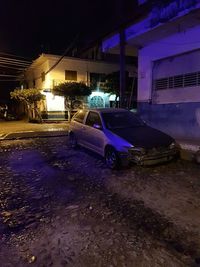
point(188, 151)
point(31, 134)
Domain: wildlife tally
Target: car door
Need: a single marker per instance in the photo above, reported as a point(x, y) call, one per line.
point(77, 125)
point(94, 137)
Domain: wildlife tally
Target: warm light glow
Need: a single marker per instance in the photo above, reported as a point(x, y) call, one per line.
point(54, 103)
point(112, 98)
point(47, 82)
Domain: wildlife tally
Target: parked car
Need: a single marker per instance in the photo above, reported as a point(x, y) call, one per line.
point(120, 137)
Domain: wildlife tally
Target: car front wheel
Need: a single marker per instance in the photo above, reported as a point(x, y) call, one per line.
point(112, 158)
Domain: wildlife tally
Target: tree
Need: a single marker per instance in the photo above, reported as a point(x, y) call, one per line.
point(112, 85)
point(71, 90)
point(30, 97)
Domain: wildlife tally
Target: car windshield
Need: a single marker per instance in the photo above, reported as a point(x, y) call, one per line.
point(117, 120)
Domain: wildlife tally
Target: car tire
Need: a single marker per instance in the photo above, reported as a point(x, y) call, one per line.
point(112, 159)
point(73, 141)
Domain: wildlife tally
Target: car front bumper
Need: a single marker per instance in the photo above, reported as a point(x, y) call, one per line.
point(152, 157)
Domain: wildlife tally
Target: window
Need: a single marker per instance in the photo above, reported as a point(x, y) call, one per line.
point(96, 102)
point(178, 71)
point(178, 81)
point(79, 117)
point(93, 118)
point(71, 75)
point(191, 79)
point(161, 84)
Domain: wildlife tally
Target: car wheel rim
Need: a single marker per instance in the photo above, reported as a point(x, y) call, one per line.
point(111, 159)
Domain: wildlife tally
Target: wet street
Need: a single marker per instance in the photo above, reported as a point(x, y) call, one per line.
point(63, 207)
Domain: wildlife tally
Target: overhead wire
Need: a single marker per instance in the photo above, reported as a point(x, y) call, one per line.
point(24, 64)
point(7, 54)
point(11, 67)
point(9, 80)
point(15, 60)
point(64, 54)
point(13, 63)
point(8, 75)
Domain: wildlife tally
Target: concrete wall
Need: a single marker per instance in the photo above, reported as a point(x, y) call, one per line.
point(182, 121)
point(57, 75)
point(175, 111)
point(181, 42)
point(83, 68)
point(34, 74)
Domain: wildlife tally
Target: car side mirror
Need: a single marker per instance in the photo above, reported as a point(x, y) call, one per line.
point(97, 126)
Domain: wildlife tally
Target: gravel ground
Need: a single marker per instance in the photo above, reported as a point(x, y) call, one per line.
point(63, 207)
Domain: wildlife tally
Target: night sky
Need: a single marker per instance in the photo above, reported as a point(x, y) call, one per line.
point(30, 27)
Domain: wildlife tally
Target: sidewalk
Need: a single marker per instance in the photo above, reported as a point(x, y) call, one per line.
point(22, 129)
point(188, 148)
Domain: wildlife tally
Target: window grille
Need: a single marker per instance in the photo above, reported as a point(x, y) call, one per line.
point(178, 81)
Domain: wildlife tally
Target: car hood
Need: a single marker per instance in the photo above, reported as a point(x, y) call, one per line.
point(144, 136)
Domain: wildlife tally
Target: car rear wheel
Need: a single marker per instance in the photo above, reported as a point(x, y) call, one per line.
point(73, 141)
point(112, 158)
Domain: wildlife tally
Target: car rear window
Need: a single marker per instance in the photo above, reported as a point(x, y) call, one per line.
point(79, 116)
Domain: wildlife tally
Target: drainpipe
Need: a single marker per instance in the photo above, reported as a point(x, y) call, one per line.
point(122, 68)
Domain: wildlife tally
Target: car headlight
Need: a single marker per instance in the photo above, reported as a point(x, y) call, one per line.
point(139, 150)
point(127, 148)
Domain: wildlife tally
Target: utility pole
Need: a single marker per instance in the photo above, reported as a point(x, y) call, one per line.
point(120, 8)
point(122, 67)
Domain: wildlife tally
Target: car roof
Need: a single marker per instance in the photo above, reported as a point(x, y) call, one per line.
point(107, 110)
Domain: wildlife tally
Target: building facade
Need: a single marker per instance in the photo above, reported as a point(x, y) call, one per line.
point(48, 71)
point(167, 42)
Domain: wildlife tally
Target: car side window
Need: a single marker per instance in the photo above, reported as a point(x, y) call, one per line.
point(79, 116)
point(93, 118)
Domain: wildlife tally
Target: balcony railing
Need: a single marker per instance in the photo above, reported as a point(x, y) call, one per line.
point(164, 11)
point(56, 82)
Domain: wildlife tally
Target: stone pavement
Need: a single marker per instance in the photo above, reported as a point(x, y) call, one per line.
point(63, 207)
point(23, 129)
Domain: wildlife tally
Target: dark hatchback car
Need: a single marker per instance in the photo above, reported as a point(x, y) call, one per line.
point(120, 137)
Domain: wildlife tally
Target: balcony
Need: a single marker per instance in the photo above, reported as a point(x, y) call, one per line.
point(56, 82)
point(164, 19)
point(165, 11)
